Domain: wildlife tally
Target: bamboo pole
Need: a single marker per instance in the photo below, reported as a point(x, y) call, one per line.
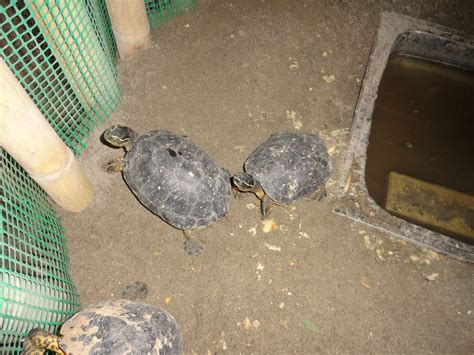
point(31, 141)
point(130, 26)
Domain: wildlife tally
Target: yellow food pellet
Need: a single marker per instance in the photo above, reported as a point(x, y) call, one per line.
point(269, 225)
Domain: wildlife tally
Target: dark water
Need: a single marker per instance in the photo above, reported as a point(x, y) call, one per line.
point(423, 126)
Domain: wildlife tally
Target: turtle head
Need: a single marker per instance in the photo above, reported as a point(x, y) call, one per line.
point(40, 339)
point(120, 137)
point(244, 182)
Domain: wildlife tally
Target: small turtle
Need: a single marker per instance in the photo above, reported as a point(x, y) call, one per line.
point(112, 327)
point(173, 178)
point(285, 168)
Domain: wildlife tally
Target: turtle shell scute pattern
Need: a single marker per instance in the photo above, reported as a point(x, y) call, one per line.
point(121, 327)
point(177, 180)
point(290, 166)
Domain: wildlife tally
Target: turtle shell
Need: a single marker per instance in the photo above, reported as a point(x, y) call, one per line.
point(177, 180)
point(121, 327)
point(289, 166)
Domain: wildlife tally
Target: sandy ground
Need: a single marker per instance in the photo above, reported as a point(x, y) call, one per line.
point(228, 76)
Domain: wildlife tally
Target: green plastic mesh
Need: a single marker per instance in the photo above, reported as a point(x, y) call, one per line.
point(62, 52)
point(160, 11)
point(35, 282)
point(101, 22)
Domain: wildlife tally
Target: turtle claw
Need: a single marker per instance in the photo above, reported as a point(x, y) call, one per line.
point(265, 207)
point(237, 194)
point(320, 193)
point(265, 214)
point(114, 165)
point(193, 247)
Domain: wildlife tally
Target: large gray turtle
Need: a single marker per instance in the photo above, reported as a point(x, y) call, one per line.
point(113, 327)
point(173, 178)
point(285, 168)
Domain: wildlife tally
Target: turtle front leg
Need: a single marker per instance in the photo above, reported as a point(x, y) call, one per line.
point(192, 245)
point(115, 165)
point(266, 206)
point(236, 193)
point(265, 203)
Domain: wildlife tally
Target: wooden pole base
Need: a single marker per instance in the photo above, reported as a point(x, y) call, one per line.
point(130, 26)
point(28, 137)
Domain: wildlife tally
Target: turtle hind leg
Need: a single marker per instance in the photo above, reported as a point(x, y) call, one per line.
point(192, 246)
point(113, 166)
point(319, 193)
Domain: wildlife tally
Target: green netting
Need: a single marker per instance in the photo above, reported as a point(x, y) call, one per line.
point(35, 282)
point(101, 22)
point(63, 53)
point(160, 11)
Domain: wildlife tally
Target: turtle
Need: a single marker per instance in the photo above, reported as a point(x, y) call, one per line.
point(285, 168)
point(111, 327)
point(173, 178)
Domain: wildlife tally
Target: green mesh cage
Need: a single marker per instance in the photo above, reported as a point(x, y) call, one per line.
point(102, 27)
point(160, 11)
point(62, 52)
point(35, 282)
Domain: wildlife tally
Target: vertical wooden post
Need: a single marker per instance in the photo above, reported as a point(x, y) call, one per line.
point(130, 26)
point(27, 136)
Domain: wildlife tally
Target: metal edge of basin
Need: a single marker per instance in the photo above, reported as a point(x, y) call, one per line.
point(355, 201)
